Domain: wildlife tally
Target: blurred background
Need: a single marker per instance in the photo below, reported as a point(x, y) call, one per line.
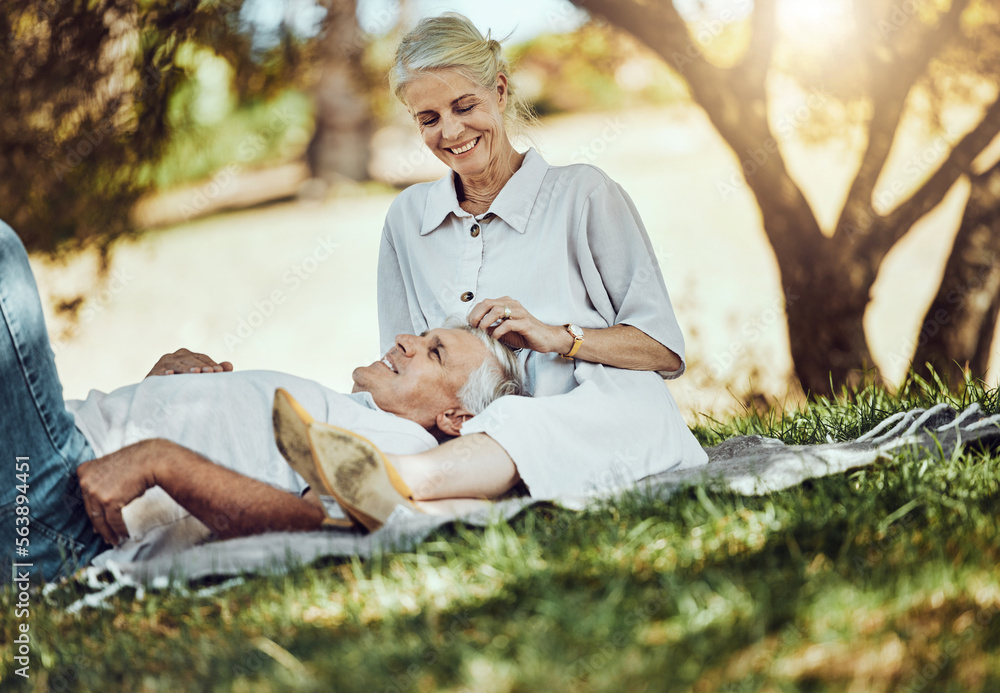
point(818, 179)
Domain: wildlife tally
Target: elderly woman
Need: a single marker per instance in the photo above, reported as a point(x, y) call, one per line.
point(553, 260)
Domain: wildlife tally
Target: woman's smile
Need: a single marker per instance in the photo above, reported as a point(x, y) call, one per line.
point(465, 148)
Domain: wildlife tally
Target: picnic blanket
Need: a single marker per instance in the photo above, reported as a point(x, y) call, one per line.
point(750, 465)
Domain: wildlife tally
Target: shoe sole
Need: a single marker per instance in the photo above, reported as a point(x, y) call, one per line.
point(291, 434)
point(357, 470)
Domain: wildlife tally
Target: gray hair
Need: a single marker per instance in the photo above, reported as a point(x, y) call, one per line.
point(496, 376)
point(452, 42)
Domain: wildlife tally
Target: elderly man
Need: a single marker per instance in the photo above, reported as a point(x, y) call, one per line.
point(71, 464)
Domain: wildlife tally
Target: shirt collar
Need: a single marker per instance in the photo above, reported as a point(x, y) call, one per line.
point(513, 204)
point(364, 399)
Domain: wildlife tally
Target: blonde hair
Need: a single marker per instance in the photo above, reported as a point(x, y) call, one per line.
point(452, 42)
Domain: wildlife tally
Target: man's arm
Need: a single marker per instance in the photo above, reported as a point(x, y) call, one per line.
point(230, 504)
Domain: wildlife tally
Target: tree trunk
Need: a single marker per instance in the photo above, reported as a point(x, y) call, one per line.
point(827, 286)
point(825, 299)
point(957, 331)
point(340, 145)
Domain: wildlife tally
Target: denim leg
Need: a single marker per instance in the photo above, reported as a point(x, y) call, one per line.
point(42, 446)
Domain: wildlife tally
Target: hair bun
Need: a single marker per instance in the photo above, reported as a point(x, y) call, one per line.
point(494, 46)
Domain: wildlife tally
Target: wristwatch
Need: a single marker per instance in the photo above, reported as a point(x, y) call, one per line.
point(577, 333)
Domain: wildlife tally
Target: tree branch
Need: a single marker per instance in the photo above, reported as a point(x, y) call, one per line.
point(927, 44)
point(659, 26)
point(735, 100)
point(888, 89)
point(958, 163)
point(757, 60)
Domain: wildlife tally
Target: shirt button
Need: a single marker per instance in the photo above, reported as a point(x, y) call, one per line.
point(475, 230)
point(466, 297)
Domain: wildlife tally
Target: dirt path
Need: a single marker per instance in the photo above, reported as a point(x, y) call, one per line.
point(291, 287)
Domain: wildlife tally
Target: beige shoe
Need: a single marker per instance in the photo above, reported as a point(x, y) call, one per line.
point(291, 433)
point(340, 463)
point(362, 480)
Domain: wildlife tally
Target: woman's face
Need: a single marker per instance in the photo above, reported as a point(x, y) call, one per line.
point(460, 122)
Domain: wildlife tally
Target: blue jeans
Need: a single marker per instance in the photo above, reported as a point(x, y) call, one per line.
point(42, 446)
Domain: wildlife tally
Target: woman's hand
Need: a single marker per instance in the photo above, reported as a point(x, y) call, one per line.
point(184, 361)
point(518, 328)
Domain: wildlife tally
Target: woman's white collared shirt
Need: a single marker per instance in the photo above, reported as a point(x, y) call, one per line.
point(567, 242)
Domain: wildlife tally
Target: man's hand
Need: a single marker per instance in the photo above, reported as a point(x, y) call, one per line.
point(109, 483)
point(185, 361)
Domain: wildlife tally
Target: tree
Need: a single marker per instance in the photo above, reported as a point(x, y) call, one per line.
point(86, 87)
point(340, 144)
point(957, 331)
point(898, 49)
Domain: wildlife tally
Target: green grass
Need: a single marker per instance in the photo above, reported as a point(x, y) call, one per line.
point(881, 579)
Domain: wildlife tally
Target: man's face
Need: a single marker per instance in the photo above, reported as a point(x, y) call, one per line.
point(420, 377)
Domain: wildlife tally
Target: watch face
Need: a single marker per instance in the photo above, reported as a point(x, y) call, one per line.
point(575, 331)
